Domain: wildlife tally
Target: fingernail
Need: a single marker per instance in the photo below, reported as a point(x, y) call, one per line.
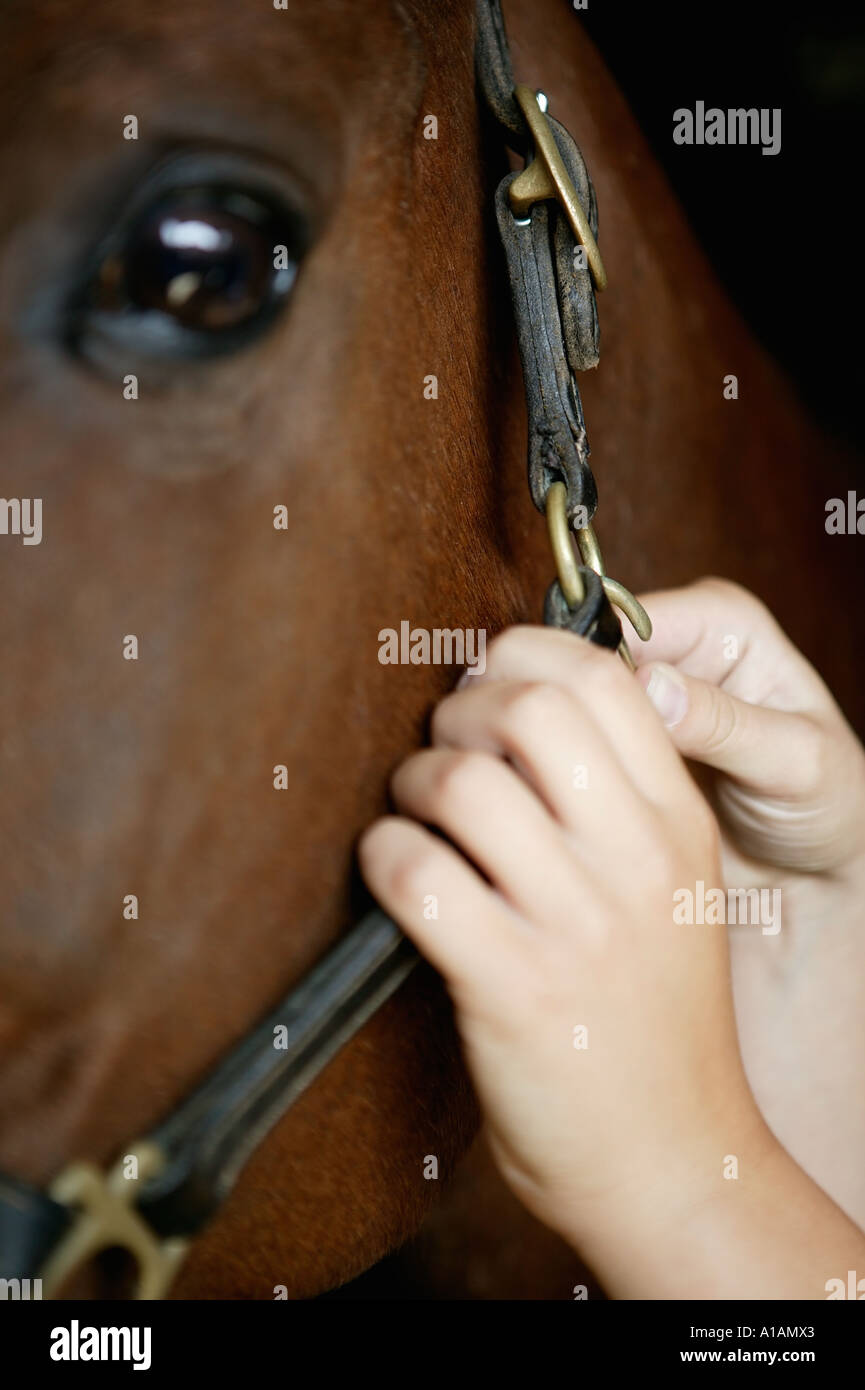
point(668, 693)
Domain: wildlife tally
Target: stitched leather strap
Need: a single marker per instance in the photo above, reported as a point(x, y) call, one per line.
point(553, 297)
point(558, 446)
point(495, 75)
point(211, 1135)
point(556, 321)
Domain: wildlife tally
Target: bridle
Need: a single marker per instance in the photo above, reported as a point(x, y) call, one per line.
point(167, 1185)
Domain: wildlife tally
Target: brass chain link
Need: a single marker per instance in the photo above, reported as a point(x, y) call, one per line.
point(568, 570)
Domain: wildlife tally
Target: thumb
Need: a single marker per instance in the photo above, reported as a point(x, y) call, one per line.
point(758, 747)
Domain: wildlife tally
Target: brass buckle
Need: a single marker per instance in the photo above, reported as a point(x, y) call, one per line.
point(570, 579)
point(107, 1218)
point(546, 177)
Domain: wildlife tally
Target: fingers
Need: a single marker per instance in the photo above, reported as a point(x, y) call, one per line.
point(722, 634)
point(604, 696)
point(452, 916)
point(497, 821)
point(734, 692)
point(556, 747)
point(763, 749)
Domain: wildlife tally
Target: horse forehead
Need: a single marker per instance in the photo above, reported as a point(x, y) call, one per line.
point(331, 53)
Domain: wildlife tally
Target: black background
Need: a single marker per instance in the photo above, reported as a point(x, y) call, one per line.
point(784, 232)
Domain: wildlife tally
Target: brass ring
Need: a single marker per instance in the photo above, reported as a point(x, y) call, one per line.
point(590, 552)
point(546, 177)
point(629, 605)
point(568, 572)
point(570, 579)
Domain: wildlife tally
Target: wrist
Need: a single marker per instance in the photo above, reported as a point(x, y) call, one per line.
point(661, 1234)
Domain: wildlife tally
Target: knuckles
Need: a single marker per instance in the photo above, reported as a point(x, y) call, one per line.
point(734, 598)
point(515, 644)
point(533, 705)
point(722, 726)
point(812, 771)
point(458, 776)
point(435, 779)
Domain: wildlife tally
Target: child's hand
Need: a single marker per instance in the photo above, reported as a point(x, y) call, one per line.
point(737, 695)
point(790, 793)
point(599, 1032)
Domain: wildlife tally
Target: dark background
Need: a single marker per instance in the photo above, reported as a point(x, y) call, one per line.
point(784, 232)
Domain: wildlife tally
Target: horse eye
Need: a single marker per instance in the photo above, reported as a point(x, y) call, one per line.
point(198, 271)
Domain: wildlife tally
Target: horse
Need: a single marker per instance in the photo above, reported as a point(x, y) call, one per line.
point(196, 724)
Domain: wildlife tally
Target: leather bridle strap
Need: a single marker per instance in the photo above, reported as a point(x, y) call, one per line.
point(553, 296)
point(197, 1153)
point(558, 446)
point(548, 223)
point(495, 74)
point(167, 1185)
point(31, 1225)
point(210, 1137)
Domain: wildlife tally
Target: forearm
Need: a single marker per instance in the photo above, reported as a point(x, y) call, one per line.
point(770, 1233)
